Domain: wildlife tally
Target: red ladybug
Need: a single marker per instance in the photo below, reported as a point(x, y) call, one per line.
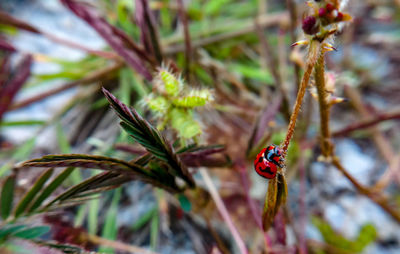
point(267, 161)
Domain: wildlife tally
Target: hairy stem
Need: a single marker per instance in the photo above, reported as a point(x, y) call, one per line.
point(327, 147)
point(324, 107)
point(313, 52)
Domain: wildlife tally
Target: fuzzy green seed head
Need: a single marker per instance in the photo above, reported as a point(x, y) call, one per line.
point(182, 121)
point(172, 85)
point(196, 98)
point(158, 104)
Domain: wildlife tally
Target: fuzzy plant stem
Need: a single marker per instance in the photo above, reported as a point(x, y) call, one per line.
point(319, 75)
point(313, 52)
point(327, 147)
point(223, 211)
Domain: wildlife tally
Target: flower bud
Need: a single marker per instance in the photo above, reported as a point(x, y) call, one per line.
point(310, 25)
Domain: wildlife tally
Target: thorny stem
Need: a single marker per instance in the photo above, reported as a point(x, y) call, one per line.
point(313, 52)
point(324, 107)
point(327, 147)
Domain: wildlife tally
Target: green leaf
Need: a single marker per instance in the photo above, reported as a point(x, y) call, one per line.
point(22, 123)
point(62, 140)
point(65, 148)
point(154, 230)
point(110, 228)
point(144, 219)
point(29, 196)
point(252, 72)
point(9, 230)
point(31, 233)
point(21, 153)
point(366, 235)
point(213, 7)
point(98, 182)
point(7, 195)
point(50, 188)
point(85, 161)
point(149, 137)
point(93, 216)
point(185, 203)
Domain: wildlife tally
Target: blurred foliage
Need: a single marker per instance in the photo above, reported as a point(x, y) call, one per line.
point(366, 236)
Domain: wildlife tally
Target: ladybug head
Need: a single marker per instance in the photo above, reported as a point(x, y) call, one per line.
point(277, 151)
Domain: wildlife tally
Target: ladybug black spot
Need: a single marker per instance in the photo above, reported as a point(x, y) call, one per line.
point(266, 170)
point(260, 160)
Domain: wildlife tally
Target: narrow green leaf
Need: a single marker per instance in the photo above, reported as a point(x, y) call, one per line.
point(21, 153)
point(110, 228)
point(93, 216)
point(80, 215)
point(9, 230)
point(65, 148)
point(99, 180)
point(50, 188)
point(24, 150)
point(7, 195)
point(29, 196)
point(62, 140)
point(144, 219)
point(31, 233)
point(185, 203)
point(22, 123)
point(155, 221)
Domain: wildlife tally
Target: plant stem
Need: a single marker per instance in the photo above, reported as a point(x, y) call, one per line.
point(188, 47)
point(223, 211)
point(324, 107)
point(95, 76)
point(377, 197)
point(313, 52)
point(118, 245)
point(384, 116)
point(327, 147)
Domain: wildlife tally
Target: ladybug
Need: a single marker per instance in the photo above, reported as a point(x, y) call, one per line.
point(267, 161)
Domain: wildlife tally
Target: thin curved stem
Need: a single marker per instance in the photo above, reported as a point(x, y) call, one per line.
point(223, 211)
point(313, 52)
point(324, 107)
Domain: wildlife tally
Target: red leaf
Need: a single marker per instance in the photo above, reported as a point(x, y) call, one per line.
point(9, 88)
